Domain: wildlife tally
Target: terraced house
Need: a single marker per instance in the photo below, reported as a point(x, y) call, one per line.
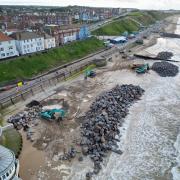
point(49, 41)
point(63, 34)
point(7, 47)
point(28, 42)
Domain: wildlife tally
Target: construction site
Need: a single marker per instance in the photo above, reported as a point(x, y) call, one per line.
point(117, 119)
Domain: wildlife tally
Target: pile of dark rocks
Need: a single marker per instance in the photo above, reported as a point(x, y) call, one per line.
point(33, 103)
point(164, 55)
point(170, 35)
point(26, 118)
point(165, 69)
point(100, 128)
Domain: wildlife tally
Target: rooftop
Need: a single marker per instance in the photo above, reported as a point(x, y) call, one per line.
point(7, 159)
point(25, 35)
point(120, 38)
point(47, 36)
point(4, 37)
point(64, 27)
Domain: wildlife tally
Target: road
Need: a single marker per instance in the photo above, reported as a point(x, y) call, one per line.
point(155, 28)
point(146, 32)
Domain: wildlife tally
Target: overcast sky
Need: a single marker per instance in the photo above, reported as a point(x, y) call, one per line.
point(142, 4)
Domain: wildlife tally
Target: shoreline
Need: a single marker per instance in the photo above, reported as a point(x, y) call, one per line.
point(28, 148)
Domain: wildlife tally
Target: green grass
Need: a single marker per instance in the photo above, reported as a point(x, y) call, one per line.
point(148, 17)
point(136, 13)
point(158, 15)
point(142, 17)
point(117, 27)
point(12, 140)
point(29, 66)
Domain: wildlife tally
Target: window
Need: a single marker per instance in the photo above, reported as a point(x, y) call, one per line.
point(7, 174)
point(3, 55)
point(7, 54)
point(1, 49)
point(27, 46)
point(4, 176)
point(28, 40)
point(31, 45)
point(11, 53)
point(10, 47)
point(9, 42)
point(24, 46)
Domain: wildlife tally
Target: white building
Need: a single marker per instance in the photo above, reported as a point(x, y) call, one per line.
point(76, 17)
point(28, 42)
point(49, 42)
point(70, 38)
point(9, 165)
point(7, 47)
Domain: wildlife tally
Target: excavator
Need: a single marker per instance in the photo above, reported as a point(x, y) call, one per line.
point(140, 68)
point(89, 73)
point(53, 114)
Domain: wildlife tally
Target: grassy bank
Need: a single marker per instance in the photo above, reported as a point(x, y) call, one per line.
point(148, 17)
point(121, 25)
point(12, 140)
point(117, 27)
point(26, 67)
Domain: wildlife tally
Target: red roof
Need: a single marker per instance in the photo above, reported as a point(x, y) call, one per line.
point(3, 37)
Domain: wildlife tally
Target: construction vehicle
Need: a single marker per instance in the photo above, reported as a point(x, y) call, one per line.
point(134, 66)
point(53, 114)
point(89, 73)
point(142, 69)
point(139, 41)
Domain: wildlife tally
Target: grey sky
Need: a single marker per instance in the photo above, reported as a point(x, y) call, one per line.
point(143, 4)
